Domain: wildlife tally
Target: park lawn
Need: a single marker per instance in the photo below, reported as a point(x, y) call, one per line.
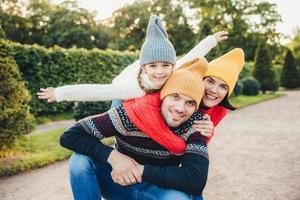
point(35, 151)
point(52, 118)
point(243, 101)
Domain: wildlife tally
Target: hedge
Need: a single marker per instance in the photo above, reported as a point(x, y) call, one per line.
point(57, 66)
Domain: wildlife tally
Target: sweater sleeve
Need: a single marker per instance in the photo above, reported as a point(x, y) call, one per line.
point(97, 92)
point(78, 140)
point(201, 49)
point(190, 177)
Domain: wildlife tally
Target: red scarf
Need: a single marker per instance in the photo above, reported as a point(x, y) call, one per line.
point(144, 113)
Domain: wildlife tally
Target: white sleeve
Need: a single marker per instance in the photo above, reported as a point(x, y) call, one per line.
point(129, 73)
point(98, 92)
point(201, 49)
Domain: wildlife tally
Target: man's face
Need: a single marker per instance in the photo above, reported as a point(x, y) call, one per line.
point(177, 108)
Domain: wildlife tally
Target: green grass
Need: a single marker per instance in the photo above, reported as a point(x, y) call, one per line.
point(242, 101)
point(34, 151)
point(51, 118)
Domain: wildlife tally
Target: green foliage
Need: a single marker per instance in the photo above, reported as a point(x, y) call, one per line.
point(237, 18)
point(187, 21)
point(290, 76)
point(251, 86)
point(35, 151)
point(15, 118)
point(263, 70)
point(243, 101)
point(238, 89)
point(294, 45)
point(54, 67)
point(2, 34)
point(247, 70)
point(85, 109)
point(129, 25)
point(43, 23)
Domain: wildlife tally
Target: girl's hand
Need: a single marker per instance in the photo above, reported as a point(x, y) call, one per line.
point(205, 126)
point(48, 94)
point(221, 36)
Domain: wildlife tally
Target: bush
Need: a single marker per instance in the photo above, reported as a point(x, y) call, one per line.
point(238, 89)
point(85, 109)
point(251, 86)
point(15, 118)
point(56, 66)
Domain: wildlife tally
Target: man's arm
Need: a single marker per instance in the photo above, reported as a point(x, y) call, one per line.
point(84, 138)
point(78, 140)
point(190, 177)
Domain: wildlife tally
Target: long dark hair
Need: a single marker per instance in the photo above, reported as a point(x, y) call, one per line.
point(226, 104)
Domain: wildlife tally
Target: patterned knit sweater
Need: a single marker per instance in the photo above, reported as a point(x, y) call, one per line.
point(161, 167)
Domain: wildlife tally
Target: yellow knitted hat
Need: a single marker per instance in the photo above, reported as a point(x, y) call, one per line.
point(227, 67)
point(187, 80)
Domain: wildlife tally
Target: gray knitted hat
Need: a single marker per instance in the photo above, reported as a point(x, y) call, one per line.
point(157, 47)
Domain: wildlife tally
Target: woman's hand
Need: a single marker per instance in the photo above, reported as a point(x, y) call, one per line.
point(205, 126)
point(221, 36)
point(48, 94)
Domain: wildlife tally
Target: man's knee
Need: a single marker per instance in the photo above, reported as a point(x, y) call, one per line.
point(174, 194)
point(80, 164)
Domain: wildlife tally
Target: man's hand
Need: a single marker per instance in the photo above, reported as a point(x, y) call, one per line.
point(129, 178)
point(221, 36)
point(48, 94)
point(205, 126)
point(125, 170)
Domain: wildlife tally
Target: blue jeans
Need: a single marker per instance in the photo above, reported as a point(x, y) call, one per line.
point(91, 180)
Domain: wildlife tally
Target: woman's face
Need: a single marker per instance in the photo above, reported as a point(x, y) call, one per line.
point(158, 72)
point(215, 90)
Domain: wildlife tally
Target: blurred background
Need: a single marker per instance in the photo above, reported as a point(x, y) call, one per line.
point(52, 43)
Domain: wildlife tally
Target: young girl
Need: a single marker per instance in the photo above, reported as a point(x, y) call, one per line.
point(143, 76)
point(157, 59)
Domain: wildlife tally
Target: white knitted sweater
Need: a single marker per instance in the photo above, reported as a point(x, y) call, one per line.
point(125, 85)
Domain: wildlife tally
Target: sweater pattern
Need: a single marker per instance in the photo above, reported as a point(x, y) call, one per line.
point(132, 140)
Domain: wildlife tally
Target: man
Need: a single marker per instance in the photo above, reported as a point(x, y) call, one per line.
point(140, 168)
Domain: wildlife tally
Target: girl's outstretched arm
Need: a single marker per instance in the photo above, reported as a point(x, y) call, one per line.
point(203, 47)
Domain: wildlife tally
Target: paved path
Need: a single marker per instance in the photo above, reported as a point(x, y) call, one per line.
point(52, 126)
point(255, 155)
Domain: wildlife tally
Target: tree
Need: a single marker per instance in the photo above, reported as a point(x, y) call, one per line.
point(294, 45)
point(15, 118)
point(263, 70)
point(290, 76)
point(46, 24)
point(128, 25)
point(237, 18)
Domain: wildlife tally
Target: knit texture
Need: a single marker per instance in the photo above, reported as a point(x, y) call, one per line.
point(187, 80)
point(157, 47)
point(227, 67)
point(152, 123)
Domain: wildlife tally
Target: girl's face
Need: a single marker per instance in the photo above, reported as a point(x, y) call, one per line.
point(158, 72)
point(215, 90)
